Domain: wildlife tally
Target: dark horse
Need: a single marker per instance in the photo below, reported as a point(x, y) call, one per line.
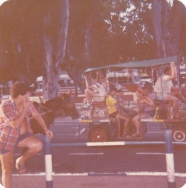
point(50, 108)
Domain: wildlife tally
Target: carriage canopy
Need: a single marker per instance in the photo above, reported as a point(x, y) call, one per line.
point(137, 64)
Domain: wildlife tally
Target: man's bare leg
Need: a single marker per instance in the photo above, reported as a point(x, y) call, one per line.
point(179, 95)
point(33, 146)
point(89, 94)
point(136, 122)
point(7, 167)
point(174, 101)
point(126, 122)
point(184, 93)
point(125, 126)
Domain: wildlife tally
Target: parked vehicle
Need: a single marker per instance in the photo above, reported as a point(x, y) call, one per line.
point(65, 82)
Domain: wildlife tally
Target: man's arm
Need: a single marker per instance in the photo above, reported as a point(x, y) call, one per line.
point(149, 101)
point(178, 88)
point(16, 122)
point(41, 122)
point(86, 82)
point(173, 75)
point(144, 98)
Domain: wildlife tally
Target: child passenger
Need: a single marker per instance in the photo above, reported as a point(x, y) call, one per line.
point(112, 106)
point(119, 95)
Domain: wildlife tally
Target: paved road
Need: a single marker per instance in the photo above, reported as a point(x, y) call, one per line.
point(109, 159)
point(127, 166)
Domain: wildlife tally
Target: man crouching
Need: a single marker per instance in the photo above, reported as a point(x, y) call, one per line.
point(15, 130)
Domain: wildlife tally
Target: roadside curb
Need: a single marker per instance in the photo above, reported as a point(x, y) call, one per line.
point(105, 181)
point(105, 174)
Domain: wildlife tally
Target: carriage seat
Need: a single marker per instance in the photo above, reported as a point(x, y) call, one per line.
point(98, 107)
point(99, 104)
point(158, 101)
point(164, 109)
point(128, 99)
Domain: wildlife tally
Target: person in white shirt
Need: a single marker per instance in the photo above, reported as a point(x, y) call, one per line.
point(102, 79)
point(165, 90)
point(95, 92)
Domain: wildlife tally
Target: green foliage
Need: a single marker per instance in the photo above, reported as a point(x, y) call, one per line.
point(118, 31)
point(23, 25)
point(129, 32)
point(21, 41)
point(100, 32)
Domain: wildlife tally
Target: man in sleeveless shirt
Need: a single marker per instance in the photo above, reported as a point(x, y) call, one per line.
point(165, 90)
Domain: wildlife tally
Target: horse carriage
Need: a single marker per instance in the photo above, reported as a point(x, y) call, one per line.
point(131, 76)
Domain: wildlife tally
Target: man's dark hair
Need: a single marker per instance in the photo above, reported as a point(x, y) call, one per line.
point(166, 69)
point(147, 85)
point(111, 79)
point(112, 88)
point(18, 89)
point(93, 75)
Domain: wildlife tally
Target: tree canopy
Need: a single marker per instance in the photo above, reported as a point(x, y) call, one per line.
point(40, 37)
point(33, 40)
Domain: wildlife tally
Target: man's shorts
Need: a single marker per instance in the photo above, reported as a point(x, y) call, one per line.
point(125, 110)
point(23, 136)
point(98, 99)
point(161, 96)
point(113, 115)
point(150, 113)
point(3, 151)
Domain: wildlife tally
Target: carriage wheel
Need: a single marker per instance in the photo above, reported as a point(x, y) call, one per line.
point(179, 134)
point(98, 134)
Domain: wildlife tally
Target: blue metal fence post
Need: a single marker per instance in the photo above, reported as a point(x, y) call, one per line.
point(48, 162)
point(169, 159)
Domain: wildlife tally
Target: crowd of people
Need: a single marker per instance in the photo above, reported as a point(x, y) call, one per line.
point(101, 89)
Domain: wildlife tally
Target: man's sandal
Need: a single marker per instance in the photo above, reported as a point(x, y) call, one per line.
point(21, 168)
point(136, 135)
point(126, 136)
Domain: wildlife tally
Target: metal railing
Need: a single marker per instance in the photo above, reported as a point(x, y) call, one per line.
point(168, 145)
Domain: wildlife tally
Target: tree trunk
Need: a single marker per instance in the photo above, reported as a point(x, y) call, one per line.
point(169, 28)
point(159, 12)
point(55, 46)
point(76, 65)
point(50, 78)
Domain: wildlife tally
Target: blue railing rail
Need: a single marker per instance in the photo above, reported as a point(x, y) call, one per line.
point(168, 145)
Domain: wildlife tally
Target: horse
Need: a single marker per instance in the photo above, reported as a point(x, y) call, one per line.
point(51, 108)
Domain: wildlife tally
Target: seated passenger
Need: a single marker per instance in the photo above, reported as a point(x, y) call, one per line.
point(101, 79)
point(121, 104)
point(113, 112)
point(95, 92)
point(112, 81)
point(165, 91)
point(146, 107)
point(119, 96)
